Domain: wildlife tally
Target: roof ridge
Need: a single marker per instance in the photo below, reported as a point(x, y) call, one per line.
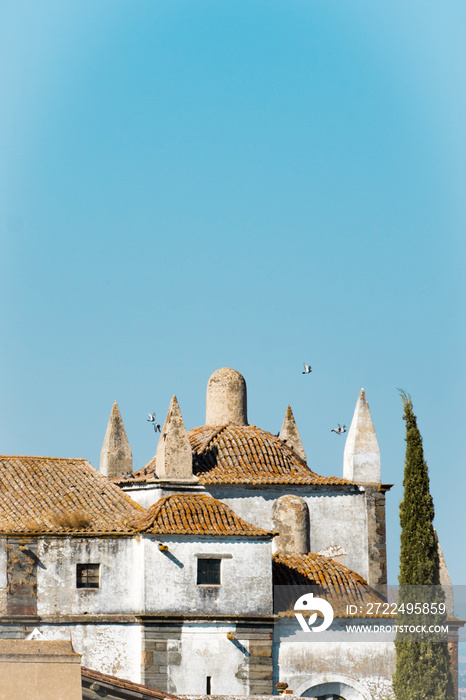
point(54, 495)
point(57, 459)
point(332, 564)
point(196, 513)
point(243, 455)
point(122, 683)
point(216, 432)
point(248, 454)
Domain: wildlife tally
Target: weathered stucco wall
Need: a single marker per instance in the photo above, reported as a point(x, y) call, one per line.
point(171, 576)
point(235, 655)
point(147, 495)
point(136, 577)
point(3, 575)
point(207, 651)
point(366, 664)
point(109, 648)
point(121, 574)
point(335, 518)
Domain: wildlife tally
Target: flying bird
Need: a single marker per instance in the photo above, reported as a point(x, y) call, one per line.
point(157, 427)
point(151, 418)
point(341, 429)
point(307, 368)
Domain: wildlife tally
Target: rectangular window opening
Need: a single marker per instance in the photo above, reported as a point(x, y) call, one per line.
point(88, 576)
point(208, 687)
point(208, 572)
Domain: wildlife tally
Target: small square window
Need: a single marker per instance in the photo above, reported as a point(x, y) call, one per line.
point(208, 571)
point(87, 575)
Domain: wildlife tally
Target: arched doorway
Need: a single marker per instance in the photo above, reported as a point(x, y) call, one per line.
point(333, 687)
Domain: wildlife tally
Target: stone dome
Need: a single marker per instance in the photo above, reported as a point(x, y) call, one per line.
point(244, 454)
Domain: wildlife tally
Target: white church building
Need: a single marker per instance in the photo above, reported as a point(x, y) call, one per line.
point(168, 575)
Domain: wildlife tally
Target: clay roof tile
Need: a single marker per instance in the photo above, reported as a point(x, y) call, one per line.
point(248, 455)
point(54, 495)
point(242, 454)
point(340, 586)
point(196, 514)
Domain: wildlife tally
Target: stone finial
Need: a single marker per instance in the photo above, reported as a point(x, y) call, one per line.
point(115, 458)
point(174, 457)
point(290, 434)
point(361, 459)
point(226, 398)
point(445, 580)
point(290, 517)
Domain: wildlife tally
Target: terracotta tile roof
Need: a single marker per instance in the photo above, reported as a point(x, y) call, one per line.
point(340, 585)
point(89, 676)
point(247, 455)
point(196, 514)
point(232, 454)
point(53, 495)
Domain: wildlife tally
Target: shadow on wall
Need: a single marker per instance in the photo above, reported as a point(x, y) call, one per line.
point(174, 559)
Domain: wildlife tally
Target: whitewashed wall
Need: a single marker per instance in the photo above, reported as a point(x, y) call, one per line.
point(121, 575)
point(171, 577)
point(114, 649)
point(367, 667)
point(135, 576)
point(3, 575)
point(206, 651)
point(146, 496)
point(335, 517)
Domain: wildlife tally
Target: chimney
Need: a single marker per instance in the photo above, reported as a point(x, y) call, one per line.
point(290, 517)
point(226, 398)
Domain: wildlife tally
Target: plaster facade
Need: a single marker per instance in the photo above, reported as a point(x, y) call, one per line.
point(345, 518)
point(3, 575)
point(121, 564)
point(104, 643)
point(335, 518)
point(364, 669)
point(117, 625)
point(170, 581)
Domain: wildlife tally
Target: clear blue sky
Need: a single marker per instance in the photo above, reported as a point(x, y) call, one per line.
point(247, 183)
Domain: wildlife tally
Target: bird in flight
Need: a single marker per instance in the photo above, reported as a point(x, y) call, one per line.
point(341, 429)
point(151, 419)
point(307, 368)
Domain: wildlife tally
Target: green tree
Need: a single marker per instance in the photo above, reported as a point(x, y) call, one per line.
point(422, 667)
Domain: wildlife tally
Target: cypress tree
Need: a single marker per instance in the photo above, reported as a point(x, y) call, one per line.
point(422, 667)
